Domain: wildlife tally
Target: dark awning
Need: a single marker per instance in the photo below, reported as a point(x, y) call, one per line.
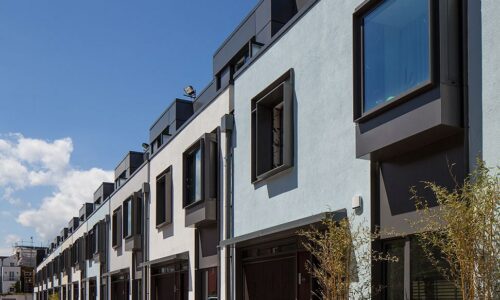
point(184, 256)
point(285, 228)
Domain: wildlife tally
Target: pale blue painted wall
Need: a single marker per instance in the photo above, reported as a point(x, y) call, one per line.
point(326, 174)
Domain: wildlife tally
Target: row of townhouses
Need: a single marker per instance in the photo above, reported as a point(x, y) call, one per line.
point(317, 108)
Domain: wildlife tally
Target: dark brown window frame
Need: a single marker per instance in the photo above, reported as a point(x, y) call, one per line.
point(198, 145)
point(116, 234)
point(135, 216)
point(283, 85)
point(125, 219)
point(165, 179)
point(209, 168)
point(358, 70)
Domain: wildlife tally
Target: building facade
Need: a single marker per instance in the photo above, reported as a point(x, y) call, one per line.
point(317, 108)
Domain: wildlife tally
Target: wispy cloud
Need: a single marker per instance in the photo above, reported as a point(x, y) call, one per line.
point(5, 251)
point(27, 162)
point(12, 238)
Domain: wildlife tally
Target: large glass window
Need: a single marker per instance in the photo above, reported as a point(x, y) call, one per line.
point(193, 177)
point(395, 271)
point(164, 197)
point(396, 50)
point(425, 281)
point(272, 129)
point(127, 218)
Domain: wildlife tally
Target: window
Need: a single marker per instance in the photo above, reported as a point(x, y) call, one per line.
point(164, 197)
point(95, 239)
point(11, 276)
point(424, 280)
point(91, 241)
point(116, 228)
point(395, 271)
point(393, 51)
point(121, 179)
point(127, 218)
point(272, 129)
point(132, 216)
point(193, 178)
point(74, 254)
point(200, 170)
point(209, 283)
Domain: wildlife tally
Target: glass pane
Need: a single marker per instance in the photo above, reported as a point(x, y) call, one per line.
point(394, 271)
point(129, 218)
point(396, 50)
point(198, 175)
point(426, 281)
point(194, 177)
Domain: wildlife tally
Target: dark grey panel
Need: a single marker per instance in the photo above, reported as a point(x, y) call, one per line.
point(234, 43)
point(224, 77)
point(129, 164)
point(263, 13)
point(73, 224)
point(103, 192)
point(264, 35)
point(422, 116)
point(397, 175)
point(209, 239)
point(201, 213)
point(180, 110)
point(285, 229)
point(301, 4)
point(64, 233)
point(184, 256)
point(407, 126)
point(281, 12)
point(86, 210)
point(207, 95)
point(133, 243)
point(270, 14)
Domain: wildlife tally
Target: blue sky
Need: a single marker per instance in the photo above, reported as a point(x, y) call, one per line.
point(80, 84)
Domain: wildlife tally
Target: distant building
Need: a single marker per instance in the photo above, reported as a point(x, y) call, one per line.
point(19, 267)
point(10, 273)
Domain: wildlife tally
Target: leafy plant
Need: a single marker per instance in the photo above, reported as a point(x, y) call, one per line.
point(465, 228)
point(342, 258)
point(54, 296)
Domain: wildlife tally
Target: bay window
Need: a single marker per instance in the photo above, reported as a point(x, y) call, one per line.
point(396, 50)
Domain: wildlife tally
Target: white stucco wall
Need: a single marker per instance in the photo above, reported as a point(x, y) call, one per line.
point(93, 268)
point(490, 81)
point(119, 258)
point(326, 173)
point(176, 238)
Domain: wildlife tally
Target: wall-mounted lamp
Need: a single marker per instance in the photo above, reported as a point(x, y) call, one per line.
point(356, 202)
point(190, 92)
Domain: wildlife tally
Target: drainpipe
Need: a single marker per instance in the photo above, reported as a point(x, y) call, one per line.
point(146, 205)
point(228, 123)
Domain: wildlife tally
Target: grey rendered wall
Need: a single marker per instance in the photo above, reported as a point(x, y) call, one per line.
point(326, 173)
point(491, 79)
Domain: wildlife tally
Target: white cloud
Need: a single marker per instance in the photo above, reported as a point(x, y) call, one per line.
point(12, 172)
point(6, 251)
point(11, 239)
point(27, 162)
point(55, 211)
